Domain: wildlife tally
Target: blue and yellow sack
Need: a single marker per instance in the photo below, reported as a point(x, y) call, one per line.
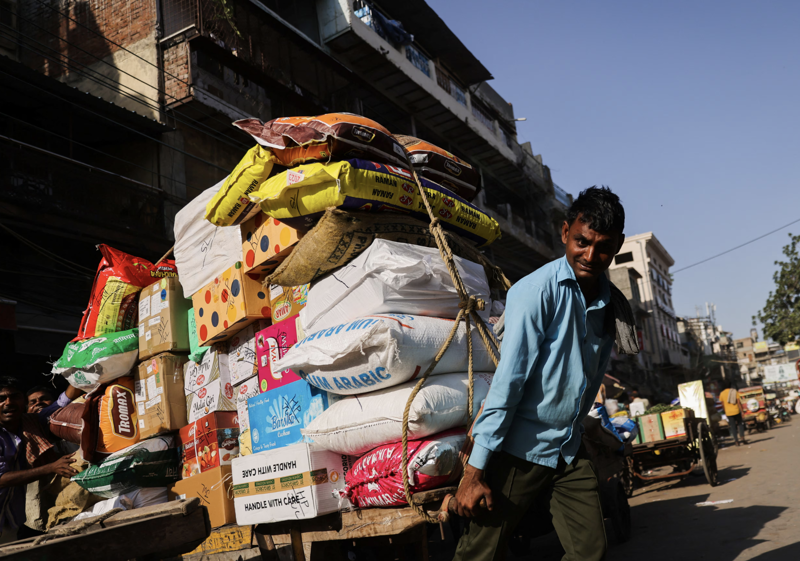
point(300, 195)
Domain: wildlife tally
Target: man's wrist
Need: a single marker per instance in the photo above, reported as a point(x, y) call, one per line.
point(479, 456)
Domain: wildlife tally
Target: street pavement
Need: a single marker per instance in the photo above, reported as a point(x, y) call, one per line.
point(761, 523)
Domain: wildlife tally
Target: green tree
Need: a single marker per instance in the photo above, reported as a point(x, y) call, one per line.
point(781, 314)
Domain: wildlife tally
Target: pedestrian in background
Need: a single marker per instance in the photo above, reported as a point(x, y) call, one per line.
point(730, 400)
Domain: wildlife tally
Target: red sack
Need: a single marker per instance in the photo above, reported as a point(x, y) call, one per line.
point(376, 478)
point(119, 278)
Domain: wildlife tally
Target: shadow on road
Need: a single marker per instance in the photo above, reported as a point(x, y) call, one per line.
point(782, 554)
point(691, 532)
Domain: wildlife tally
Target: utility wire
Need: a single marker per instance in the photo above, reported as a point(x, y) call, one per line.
point(100, 79)
point(737, 247)
point(123, 160)
point(43, 275)
point(157, 190)
point(42, 306)
point(62, 98)
point(106, 39)
point(85, 271)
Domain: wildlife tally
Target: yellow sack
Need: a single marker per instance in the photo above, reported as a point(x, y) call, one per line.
point(300, 195)
point(230, 206)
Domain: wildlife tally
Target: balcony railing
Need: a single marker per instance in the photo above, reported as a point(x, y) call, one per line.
point(419, 60)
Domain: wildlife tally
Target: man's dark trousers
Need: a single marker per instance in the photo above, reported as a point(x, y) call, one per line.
point(515, 484)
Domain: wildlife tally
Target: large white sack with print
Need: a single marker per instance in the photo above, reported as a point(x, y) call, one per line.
point(202, 250)
point(358, 423)
point(380, 351)
point(391, 277)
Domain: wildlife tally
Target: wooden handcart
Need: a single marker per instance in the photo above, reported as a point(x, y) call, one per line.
point(372, 526)
point(159, 531)
point(684, 453)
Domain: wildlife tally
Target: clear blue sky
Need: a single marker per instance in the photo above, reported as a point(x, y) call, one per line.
point(688, 110)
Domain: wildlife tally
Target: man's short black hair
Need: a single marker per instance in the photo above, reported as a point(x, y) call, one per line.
point(43, 389)
point(600, 209)
point(11, 383)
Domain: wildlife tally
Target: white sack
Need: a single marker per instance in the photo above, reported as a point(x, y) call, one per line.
point(381, 351)
point(141, 497)
point(391, 277)
point(202, 250)
point(357, 424)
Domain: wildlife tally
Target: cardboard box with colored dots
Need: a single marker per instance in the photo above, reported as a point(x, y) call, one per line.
point(266, 242)
point(230, 302)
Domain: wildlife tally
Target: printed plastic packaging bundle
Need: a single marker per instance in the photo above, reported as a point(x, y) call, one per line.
point(391, 277)
point(119, 278)
point(341, 236)
point(381, 351)
point(335, 136)
point(442, 167)
point(105, 423)
point(376, 478)
point(150, 463)
point(299, 196)
point(87, 364)
point(203, 250)
point(358, 423)
point(229, 205)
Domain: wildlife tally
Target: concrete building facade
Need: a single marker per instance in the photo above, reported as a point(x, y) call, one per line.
point(662, 351)
point(117, 113)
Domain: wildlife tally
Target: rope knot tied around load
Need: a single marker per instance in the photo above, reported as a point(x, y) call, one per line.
point(468, 314)
point(472, 304)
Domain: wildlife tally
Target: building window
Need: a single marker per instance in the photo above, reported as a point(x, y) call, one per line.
point(505, 137)
point(739, 345)
point(418, 59)
point(449, 85)
point(482, 115)
point(623, 258)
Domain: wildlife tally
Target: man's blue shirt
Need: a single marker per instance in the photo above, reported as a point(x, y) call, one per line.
point(554, 355)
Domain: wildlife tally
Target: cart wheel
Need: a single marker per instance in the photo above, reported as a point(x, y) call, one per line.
point(627, 478)
point(708, 453)
point(621, 517)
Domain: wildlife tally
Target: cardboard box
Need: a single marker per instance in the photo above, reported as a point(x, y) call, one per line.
point(651, 428)
point(242, 352)
point(286, 302)
point(673, 422)
point(277, 416)
point(213, 488)
point(244, 391)
point(162, 324)
point(160, 398)
point(213, 398)
point(245, 445)
point(291, 483)
point(271, 344)
point(209, 442)
point(213, 366)
point(266, 242)
point(229, 303)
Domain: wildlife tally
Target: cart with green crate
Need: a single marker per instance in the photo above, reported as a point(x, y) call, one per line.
point(673, 436)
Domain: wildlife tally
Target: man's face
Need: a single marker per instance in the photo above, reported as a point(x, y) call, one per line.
point(38, 401)
point(589, 252)
point(12, 405)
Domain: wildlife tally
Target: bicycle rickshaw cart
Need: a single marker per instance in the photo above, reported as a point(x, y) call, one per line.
point(696, 446)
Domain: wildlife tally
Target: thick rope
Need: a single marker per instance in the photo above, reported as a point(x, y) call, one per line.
point(468, 309)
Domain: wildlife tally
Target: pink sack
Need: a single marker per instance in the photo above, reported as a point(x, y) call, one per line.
point(376, 479)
